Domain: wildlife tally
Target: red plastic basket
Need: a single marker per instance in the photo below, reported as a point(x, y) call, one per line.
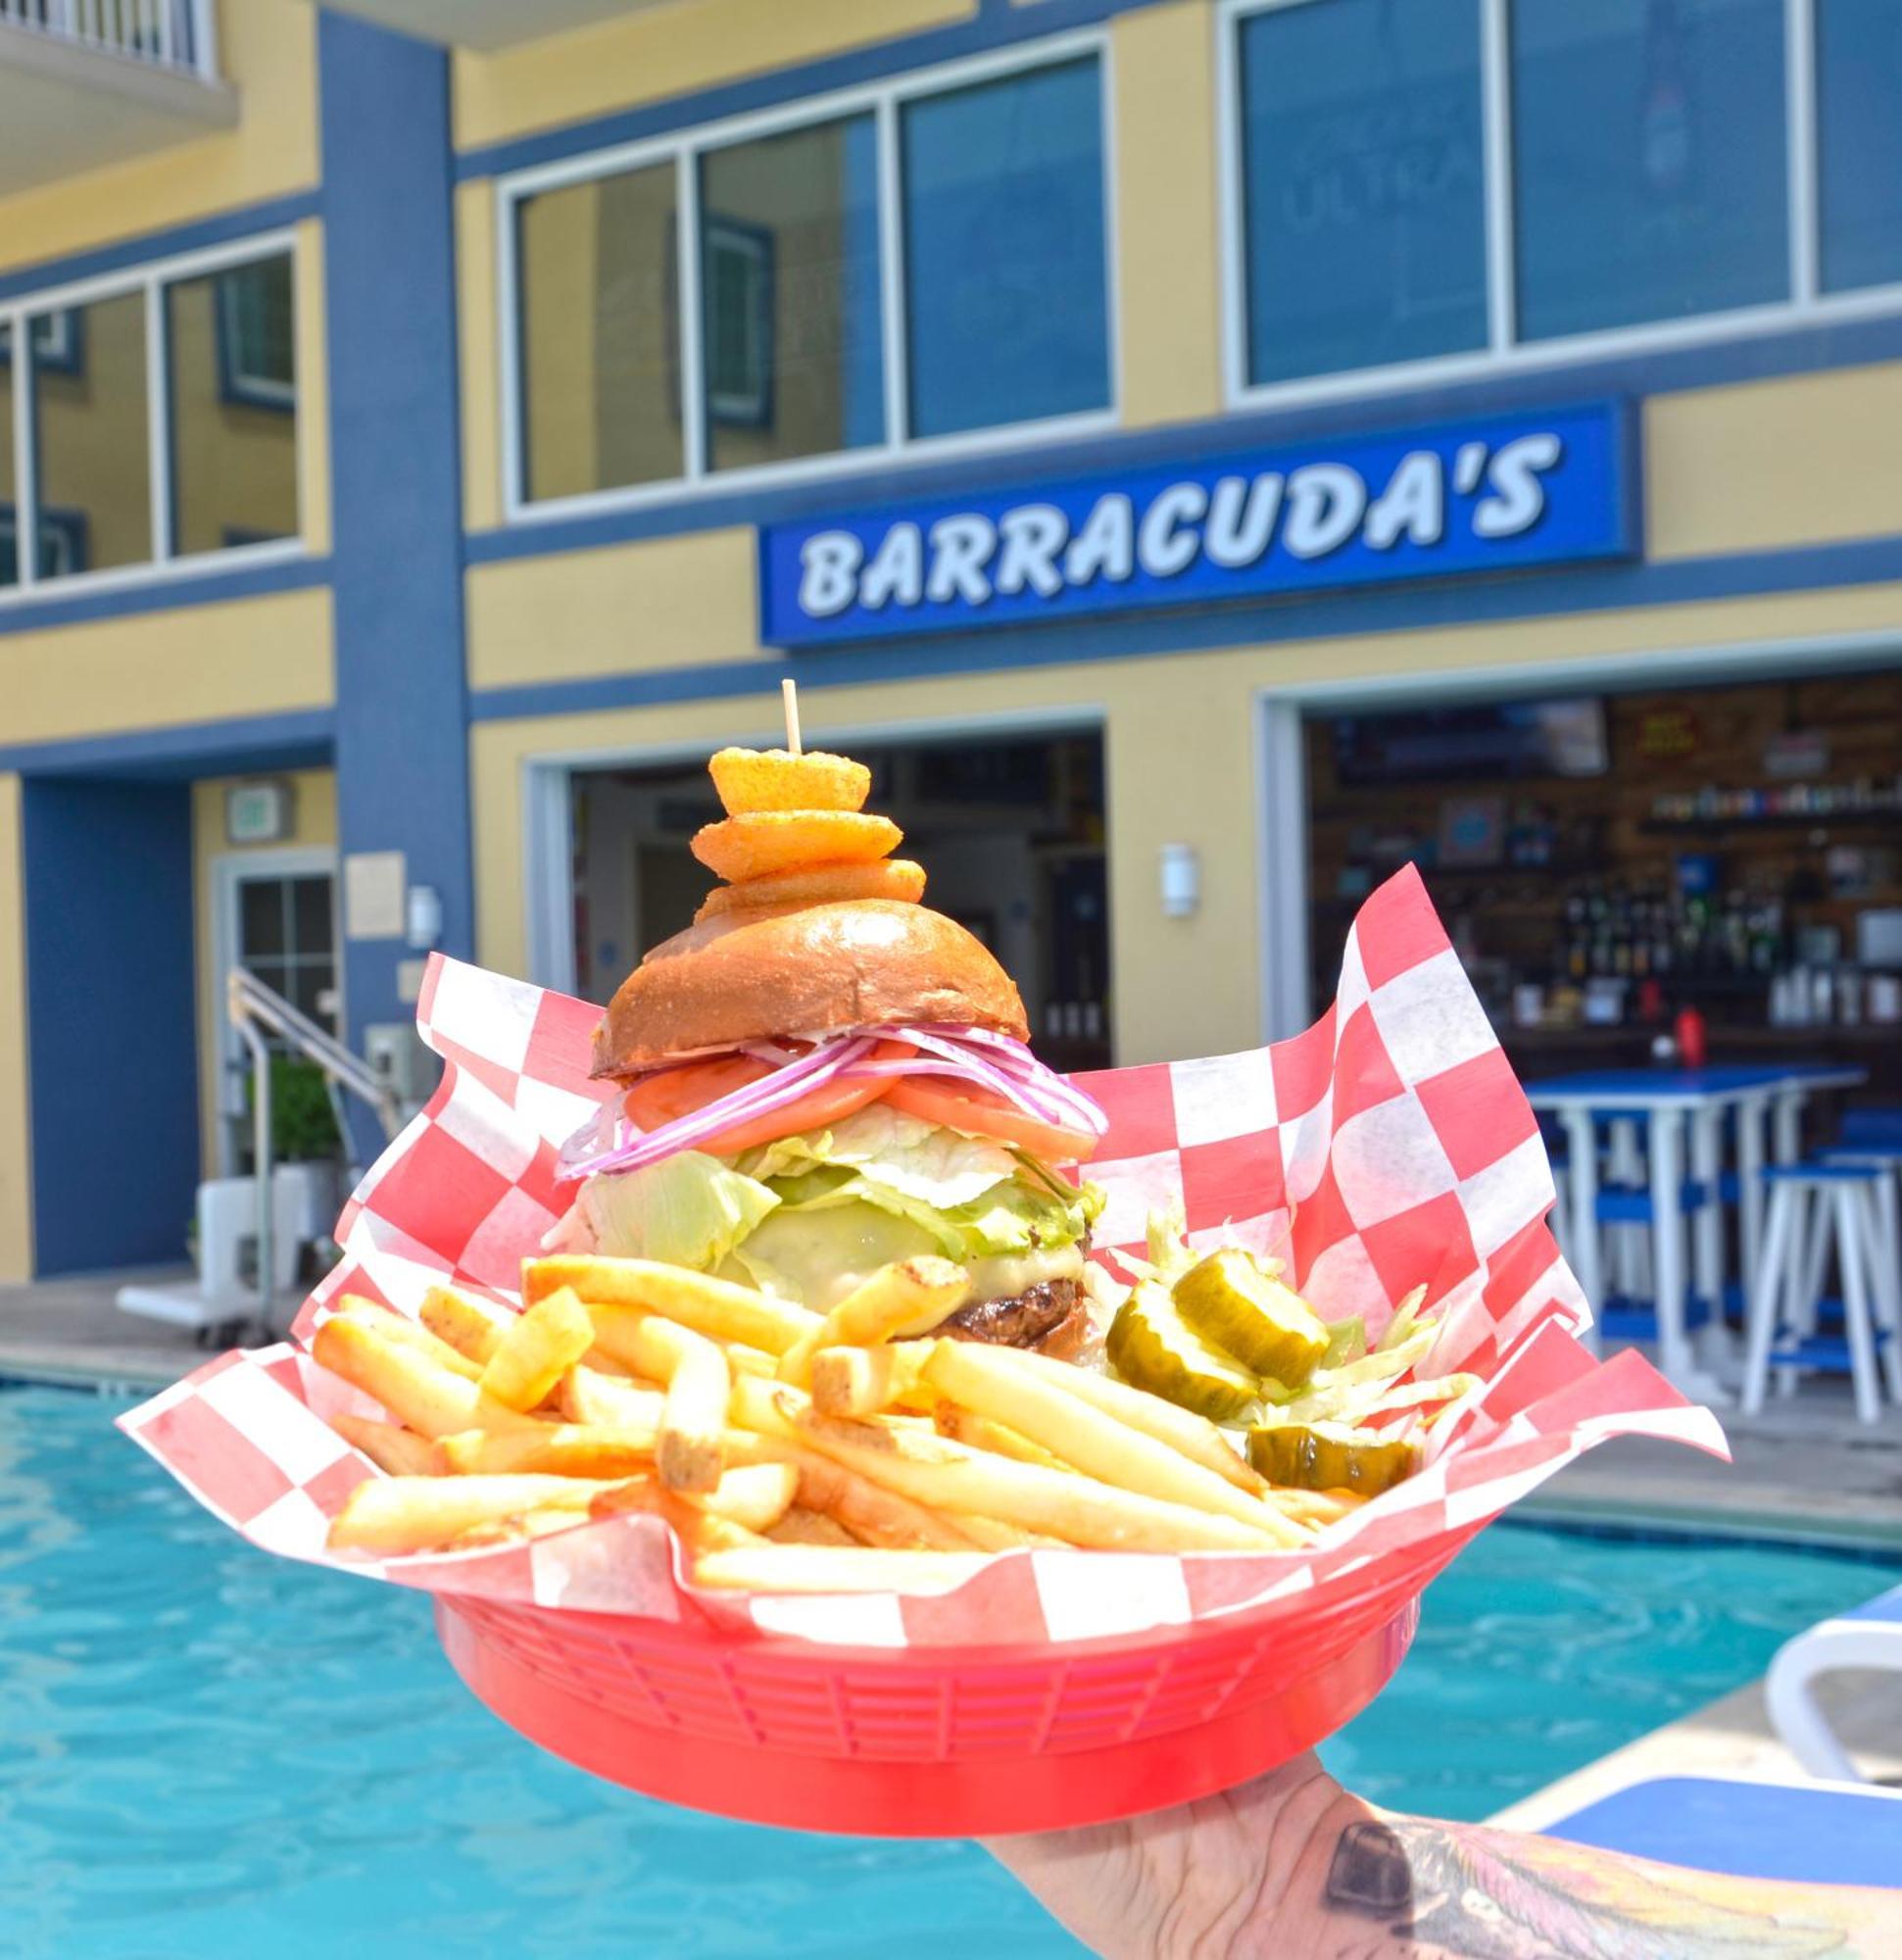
point(935, 1741)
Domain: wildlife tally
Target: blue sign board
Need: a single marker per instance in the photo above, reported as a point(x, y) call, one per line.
point(1496, 494)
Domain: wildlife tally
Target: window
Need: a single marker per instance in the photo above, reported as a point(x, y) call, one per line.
point(601, 333)
point(90, 431)
point(790, 294)
point(1859, 129)
point(1649, 160)
point(233, 407)
point(1363, 184)
point(1003, 251)
point(1487, 182)
point(122, 472)
point(912, 260)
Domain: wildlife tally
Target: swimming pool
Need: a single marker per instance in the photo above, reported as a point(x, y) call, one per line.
point(208, 1751)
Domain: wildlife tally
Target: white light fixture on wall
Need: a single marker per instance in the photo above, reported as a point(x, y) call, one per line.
point(1182, 881)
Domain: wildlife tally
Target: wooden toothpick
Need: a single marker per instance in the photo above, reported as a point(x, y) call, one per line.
point(789, 694)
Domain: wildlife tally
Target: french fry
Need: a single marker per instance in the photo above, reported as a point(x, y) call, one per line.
point(993, 1535)
point(693, 1418)
point(542, 1344)
point(802, 1527)
point(907, 1296)
point(756, 1494)
point(835, 1568)
point(395, 1326)
point(420, 1395)
point(556, 1449)
point(983, 1379)
point(538, 1523)
point(474, 1332)
point(1195, 1436)
point(964, 1425)
point(872, 1514)
point(1064, 1505)
point(717, 1308)
point(698, 1530)
point(608, 1401)
point(395, 1515)
point(400, 1452)
point(863, 1381)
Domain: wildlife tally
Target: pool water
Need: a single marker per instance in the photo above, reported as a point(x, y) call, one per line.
point(208, 1751)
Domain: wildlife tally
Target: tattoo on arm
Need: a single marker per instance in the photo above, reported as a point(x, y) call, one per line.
point(1498, 1895)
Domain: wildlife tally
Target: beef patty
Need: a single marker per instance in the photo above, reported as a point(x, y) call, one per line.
point(1026, 1319)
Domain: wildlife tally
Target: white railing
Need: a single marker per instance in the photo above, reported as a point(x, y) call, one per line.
point(176, 34)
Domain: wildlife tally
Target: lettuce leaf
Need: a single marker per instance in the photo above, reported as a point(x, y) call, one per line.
point(905, 1155)
point(689, 1209)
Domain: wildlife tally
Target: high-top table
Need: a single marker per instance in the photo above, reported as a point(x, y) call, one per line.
point(1683, 1105)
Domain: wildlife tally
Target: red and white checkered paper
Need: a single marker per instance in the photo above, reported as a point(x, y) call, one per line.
point(1387, 1146)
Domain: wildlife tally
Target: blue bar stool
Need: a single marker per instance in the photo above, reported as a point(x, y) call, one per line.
point(1812, 1204)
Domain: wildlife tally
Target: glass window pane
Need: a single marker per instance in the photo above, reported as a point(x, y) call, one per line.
point(1648, 159)
point(310, 991)
point(789, 295)
point(1006, 300)
point(272, 973)
point(234, 407)
point(1363, 172)
point(260, 919)
point(599, 334)
point(1859, 141)
point(89, 409)
point(9, 515)
point(311, 915)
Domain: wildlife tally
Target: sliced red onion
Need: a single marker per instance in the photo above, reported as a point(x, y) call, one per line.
point(742, 1105)
point(994, 1063)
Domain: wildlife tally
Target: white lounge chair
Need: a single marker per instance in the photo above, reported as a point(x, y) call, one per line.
point(1867, 1636)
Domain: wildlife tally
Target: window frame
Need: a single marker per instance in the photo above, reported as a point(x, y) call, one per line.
point(150, 279)
point(683, 149)
point(1504, 352)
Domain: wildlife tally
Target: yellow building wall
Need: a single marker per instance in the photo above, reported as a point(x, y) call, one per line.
point(1168, 271)
point(314, 796)
point(1180, 752)
point(241, 656)
point(476, 300)
point(15, 1149)
point(268, 52)
point(652, 53)
point(1766, 465)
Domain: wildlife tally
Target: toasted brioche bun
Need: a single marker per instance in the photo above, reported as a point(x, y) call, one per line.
point(752, 974)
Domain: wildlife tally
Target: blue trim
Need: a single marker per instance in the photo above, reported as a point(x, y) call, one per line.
point(1806, 350)
point(300, 739)
point(161, 594)
point(106, 871)
point(224, 229)
point(395, 444)
point(993, 27)
point(1388, 610)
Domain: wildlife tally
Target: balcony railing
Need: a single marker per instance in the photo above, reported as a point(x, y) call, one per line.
point(176, 35)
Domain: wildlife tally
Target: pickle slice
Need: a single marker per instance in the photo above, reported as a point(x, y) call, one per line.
point(1152, 1349)
point(1229, 1301)
point(1330, 1456)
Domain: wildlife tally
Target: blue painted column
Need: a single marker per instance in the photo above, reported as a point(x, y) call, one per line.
point(402, 744)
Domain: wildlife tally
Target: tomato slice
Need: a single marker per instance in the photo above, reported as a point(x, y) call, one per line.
point(961, 1106)
point(679, 1092)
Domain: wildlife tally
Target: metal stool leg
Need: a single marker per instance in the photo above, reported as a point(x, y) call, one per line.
point(1812, 1266)
point(1767, 1288)
point(1885, 1238)
point(1853, 1223)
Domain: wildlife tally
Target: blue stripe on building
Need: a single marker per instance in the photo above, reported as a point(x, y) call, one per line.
point(402, 750)
point(161, 593)
point(1459, 601)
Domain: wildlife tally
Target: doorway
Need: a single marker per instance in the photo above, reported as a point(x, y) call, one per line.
point(1010, 833)
point(276, 918)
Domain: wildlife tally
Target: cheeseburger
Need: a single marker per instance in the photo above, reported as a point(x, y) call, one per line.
point(822, 1075)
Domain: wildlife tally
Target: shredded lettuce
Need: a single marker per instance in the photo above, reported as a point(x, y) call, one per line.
point(689, 1209)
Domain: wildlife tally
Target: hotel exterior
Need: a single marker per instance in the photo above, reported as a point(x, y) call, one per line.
point(1201, 452)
